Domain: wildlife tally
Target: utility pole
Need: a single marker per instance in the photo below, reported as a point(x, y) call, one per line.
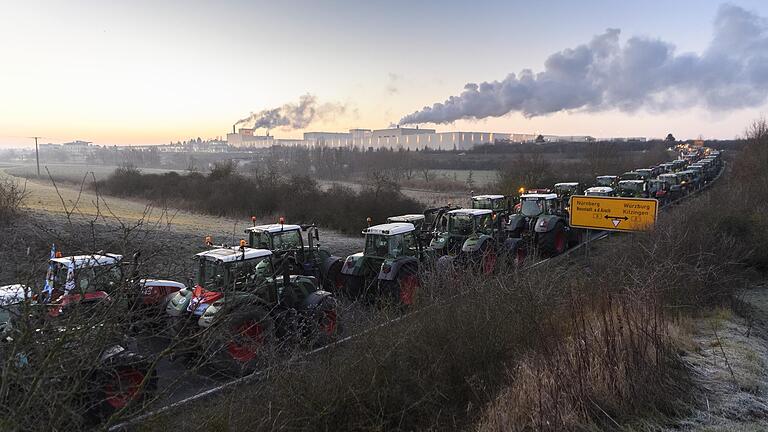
point(37, 155)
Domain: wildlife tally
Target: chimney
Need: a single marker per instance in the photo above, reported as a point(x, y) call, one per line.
point(233, 128)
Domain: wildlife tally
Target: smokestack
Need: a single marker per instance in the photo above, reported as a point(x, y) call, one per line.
point(233, 128)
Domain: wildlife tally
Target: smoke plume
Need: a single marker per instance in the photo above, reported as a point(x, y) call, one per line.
point(604, 74)
point(292, 116)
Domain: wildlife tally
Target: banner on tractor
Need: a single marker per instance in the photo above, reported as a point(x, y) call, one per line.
point(613, 213)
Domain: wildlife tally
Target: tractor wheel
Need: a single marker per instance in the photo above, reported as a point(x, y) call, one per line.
point(324, 322)
point(334, 279)
point(243, 342)
point(121, 386)
point(408, 285)
point(487, 259)
point(554, 242)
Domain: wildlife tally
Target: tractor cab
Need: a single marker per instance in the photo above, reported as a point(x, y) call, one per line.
point(459, 225)
point(235, 268)
point(392, 240)
point(534, 204)
point(633, 175)
point(275, 237)
point(633, 188)
point(565, 190)
point(599, 191)
point(291, 254)
point(647, 173)
point(659, 189)
point(497, 203)
point(607, 181)
point(417, 220)
point(89, 273)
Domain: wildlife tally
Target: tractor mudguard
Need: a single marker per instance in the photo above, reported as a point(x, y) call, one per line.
point(516, 222)
point(327, 263)
point(545, 223)
point(314, 299)
point(395, 266)
point(473, 244)
point(352, 264)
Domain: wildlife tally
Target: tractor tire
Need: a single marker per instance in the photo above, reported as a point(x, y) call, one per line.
point(323, 322)
point(126, 382)
point(333, 281)
point(241, 341)
point(553, 242)
point(403, 291)
point(487, 259)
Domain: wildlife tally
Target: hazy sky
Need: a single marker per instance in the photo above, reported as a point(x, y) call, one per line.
point(125, 72)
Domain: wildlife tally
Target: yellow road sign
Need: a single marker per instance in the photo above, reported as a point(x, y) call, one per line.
point(613, 213)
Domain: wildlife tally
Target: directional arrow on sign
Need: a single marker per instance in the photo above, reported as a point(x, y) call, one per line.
point(616, 220)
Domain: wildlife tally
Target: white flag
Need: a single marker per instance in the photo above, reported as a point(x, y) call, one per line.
point(70, 285)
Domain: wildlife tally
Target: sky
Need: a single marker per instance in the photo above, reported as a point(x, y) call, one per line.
point(151, 72)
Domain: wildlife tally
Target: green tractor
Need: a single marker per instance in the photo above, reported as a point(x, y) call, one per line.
point(542, 223)
point(289, 251)
point(633, 188)
point(425, 223)
point(240, 305)
point(388, 268)
point(475, 237)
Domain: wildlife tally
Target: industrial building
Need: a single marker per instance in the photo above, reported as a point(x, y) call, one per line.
point(395, 138)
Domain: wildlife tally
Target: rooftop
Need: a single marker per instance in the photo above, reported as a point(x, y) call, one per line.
point(84, 261)
point(234, 253)
point(471, 212)
point(393, 228)
point(273, 228)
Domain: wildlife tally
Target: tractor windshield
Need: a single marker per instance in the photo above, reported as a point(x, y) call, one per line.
point(532, 207)
point(88, 279)
point(239, 275)
point(286, 240)
point(460, 224)
point(380, 246)
point(488, 203)
point(605, 181)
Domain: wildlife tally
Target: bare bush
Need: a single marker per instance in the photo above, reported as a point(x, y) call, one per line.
point(12, 196)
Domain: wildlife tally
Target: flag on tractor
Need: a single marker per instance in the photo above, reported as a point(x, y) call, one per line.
point(48, 288)
point(70, 285)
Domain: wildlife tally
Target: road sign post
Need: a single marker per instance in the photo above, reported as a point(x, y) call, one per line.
point(613, 213)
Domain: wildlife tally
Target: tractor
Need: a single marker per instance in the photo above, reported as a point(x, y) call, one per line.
point(600, 191)
point(633, 188)
point(610, 181)
point(241, 304)
point(565, 190)
point(72, 343)
point(659, 189)
point(475, 238)
point(425, 223)
point(674, 183)
point(289, 250)
point(634, 175)
point(388, 268)
point(105, 274)
point(542, 223)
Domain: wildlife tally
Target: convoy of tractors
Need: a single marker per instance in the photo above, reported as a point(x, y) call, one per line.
point(281, 285)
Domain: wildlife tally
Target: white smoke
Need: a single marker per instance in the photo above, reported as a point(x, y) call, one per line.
point(292, 116)
point(640, 73)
